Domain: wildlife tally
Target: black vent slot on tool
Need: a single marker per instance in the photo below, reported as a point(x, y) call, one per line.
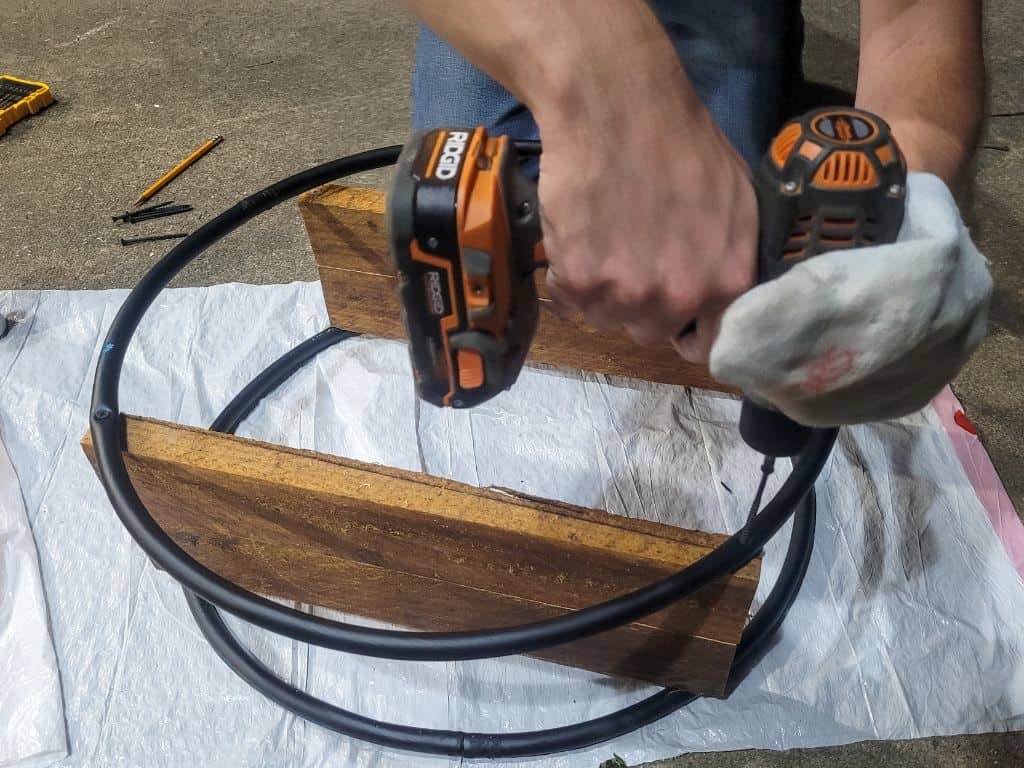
point(799, 237)
point(838, 230)
point(836, 242)
point(870, 234)
point(833, 221)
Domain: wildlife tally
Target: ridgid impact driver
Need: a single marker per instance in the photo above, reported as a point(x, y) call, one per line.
point(465, 234)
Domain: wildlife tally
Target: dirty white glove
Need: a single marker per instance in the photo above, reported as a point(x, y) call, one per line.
point(864, 334)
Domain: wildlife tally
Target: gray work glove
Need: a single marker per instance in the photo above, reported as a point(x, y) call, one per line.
point(864, 334)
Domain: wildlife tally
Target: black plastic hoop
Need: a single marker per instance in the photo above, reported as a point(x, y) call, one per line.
point(207, 592)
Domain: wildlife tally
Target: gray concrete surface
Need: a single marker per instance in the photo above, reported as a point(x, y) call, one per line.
point(292, 83)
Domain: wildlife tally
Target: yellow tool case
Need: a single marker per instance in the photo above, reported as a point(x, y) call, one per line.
point(21, 98)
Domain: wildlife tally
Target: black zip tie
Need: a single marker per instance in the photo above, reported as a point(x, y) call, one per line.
point(172, 210)
point(124, 216)
point(152, 238)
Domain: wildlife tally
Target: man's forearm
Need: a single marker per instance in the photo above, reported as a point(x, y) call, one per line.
point(573, 61)
point(921, 68)
point(649, 217)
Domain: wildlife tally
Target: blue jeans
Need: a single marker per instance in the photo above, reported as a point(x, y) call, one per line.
point(741, 55)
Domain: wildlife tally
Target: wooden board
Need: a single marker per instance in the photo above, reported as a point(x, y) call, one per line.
point(429, 553)
point(347, 230)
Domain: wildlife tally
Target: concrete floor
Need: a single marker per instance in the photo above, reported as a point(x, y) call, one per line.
point(291, 84)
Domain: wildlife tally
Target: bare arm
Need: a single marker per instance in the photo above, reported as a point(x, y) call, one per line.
point(555, 56)
point(921, 68)
point(649, 216)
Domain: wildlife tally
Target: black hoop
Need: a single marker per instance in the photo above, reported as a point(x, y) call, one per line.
point(207, 592)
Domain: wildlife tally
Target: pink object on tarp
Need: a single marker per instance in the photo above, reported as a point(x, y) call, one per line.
point(982, 475)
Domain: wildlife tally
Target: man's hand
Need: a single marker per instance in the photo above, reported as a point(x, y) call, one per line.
point(875, 333)
point(650, 219)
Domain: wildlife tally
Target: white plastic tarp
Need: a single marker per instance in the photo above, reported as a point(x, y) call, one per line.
point(31, 709)
point(908, 625)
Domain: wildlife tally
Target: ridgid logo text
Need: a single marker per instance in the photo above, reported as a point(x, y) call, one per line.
point(454, 146)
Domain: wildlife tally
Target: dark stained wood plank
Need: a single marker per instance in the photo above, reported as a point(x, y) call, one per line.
point(429, 553)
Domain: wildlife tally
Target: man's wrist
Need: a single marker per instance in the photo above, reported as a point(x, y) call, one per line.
point(931, 149)
point(621, 69)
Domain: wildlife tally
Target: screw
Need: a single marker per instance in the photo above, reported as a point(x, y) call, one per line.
point(790, 186)
point(432, 243)
point(125, 216)
point(895, 189)
point(525, 209)
point(101, 414)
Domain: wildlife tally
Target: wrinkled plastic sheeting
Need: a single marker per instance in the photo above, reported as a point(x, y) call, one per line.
point(31, 712)
point(908, 624)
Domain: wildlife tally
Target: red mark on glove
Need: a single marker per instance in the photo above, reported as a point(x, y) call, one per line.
point(822, 373)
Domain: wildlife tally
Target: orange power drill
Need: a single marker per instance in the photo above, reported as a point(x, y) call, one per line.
point(465, 237)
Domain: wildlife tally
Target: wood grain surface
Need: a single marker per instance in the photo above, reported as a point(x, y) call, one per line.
point(429, 553)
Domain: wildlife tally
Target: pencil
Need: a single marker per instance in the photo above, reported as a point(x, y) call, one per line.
point(172, 174)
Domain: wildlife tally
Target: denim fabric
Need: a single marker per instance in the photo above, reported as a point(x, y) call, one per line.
point(739, 54)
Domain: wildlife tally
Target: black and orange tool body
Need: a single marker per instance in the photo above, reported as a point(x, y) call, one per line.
point(21, 98)
point(465, 237)
point(832, 179)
